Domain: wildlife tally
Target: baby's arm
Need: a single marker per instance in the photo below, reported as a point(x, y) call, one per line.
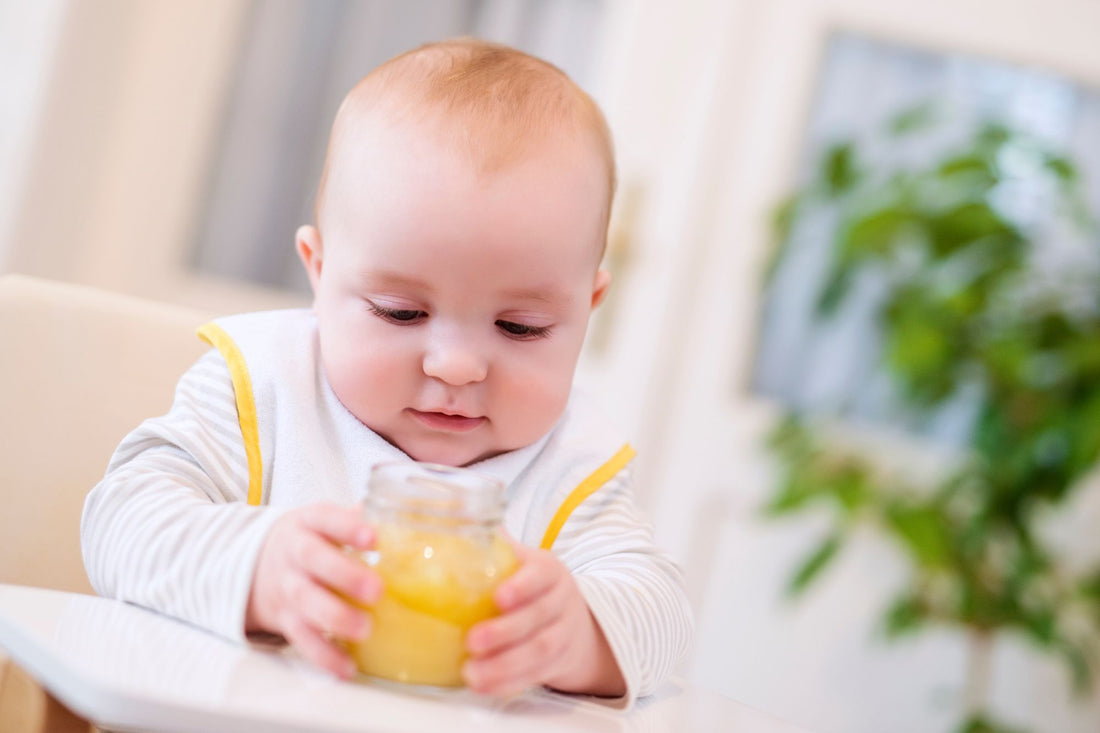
point(169, 528)
point(622, 596)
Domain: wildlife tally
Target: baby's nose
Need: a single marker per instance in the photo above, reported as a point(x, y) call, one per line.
point(456, 362)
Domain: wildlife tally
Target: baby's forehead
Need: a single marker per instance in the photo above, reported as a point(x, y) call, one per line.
point(411, 188)
point(374, 137)
point(492, 116)
point(377, 157)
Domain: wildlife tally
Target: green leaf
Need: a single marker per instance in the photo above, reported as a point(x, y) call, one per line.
point(913, 119)
point(795, 493)
point(874, 234)
point(982, 723)
point(840, 170)
point(1082, 217)
point(1080, 668)
point(852, 489)
point(784, 215)
point(1040, 627)
point(919, 346)
point(1084, 434)
point(967, 223)
point(782, 220)
point(970, 167)
point(834, 291)
point(922, 351)
point(813, 564)
point(791, 438)
point(905, 615)
point(1083, 353)
point(1089, 588)
point(924, 532)
point(993, 135)
point(1062, 167)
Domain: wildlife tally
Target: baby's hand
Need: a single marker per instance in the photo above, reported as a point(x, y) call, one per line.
point(545, 635)
point(301, 563)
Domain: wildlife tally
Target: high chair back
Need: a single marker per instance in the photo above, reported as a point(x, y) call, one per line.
point(79, 368)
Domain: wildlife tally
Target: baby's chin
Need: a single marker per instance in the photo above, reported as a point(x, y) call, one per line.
point(446, 453)
point(457, 451)
point(456, 458)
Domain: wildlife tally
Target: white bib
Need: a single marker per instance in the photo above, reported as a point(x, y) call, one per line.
point(304, 446)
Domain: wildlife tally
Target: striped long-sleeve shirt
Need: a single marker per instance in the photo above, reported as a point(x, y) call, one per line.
point(169, 527)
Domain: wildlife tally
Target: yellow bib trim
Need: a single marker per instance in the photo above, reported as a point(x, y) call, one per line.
point(585, 489)
point(216, 336)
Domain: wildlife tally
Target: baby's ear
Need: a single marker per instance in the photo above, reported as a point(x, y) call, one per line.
point(599, 287)
point(308, 244)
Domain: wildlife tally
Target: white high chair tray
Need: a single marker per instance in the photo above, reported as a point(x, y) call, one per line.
point(125, 668)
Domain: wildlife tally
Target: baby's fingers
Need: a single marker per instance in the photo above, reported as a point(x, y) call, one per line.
point(517, 668)
point(538, 572)
point(343, 525)
point(322, 610)
point(312, 645)
point(332, 567)
point(522, 623)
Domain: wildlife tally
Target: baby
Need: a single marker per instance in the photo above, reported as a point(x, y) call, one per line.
point(460, 223)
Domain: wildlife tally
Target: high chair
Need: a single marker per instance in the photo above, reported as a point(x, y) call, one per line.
point(79, 368)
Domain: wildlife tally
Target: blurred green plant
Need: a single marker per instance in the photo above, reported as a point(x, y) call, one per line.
point(964, 309)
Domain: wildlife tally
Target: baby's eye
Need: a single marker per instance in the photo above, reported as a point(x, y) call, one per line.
point(396, 315)
point(522, 331)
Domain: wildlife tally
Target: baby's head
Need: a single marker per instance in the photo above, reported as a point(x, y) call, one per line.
point(461, 219)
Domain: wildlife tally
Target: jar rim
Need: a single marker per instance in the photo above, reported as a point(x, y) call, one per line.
point(433, 489)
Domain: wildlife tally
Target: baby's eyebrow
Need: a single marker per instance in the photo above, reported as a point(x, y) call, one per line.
point(388, 278)
point(540, 295)
point(392, 279)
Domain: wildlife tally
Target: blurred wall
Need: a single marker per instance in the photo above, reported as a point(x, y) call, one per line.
point(28, 39)
point(121, 148)
point(121, 103)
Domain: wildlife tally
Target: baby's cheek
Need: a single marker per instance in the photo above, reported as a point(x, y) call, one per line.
point(356, 377)
point(535, 402)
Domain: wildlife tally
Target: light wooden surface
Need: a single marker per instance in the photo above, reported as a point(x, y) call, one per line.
point(26, 707)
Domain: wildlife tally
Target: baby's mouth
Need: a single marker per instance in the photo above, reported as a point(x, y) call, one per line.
point(447, 422)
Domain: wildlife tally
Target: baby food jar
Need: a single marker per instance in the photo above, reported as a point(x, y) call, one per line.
point(440, 554)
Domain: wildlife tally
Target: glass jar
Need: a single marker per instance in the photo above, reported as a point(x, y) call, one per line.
point(440, 554)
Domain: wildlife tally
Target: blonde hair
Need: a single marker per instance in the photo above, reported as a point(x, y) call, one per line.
point(494, 102)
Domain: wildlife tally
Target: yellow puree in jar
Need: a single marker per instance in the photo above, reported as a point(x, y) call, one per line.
point(435, 586)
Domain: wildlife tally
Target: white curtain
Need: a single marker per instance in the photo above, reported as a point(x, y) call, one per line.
point(297, 60)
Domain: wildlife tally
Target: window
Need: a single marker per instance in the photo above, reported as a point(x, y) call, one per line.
point(815, 365)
